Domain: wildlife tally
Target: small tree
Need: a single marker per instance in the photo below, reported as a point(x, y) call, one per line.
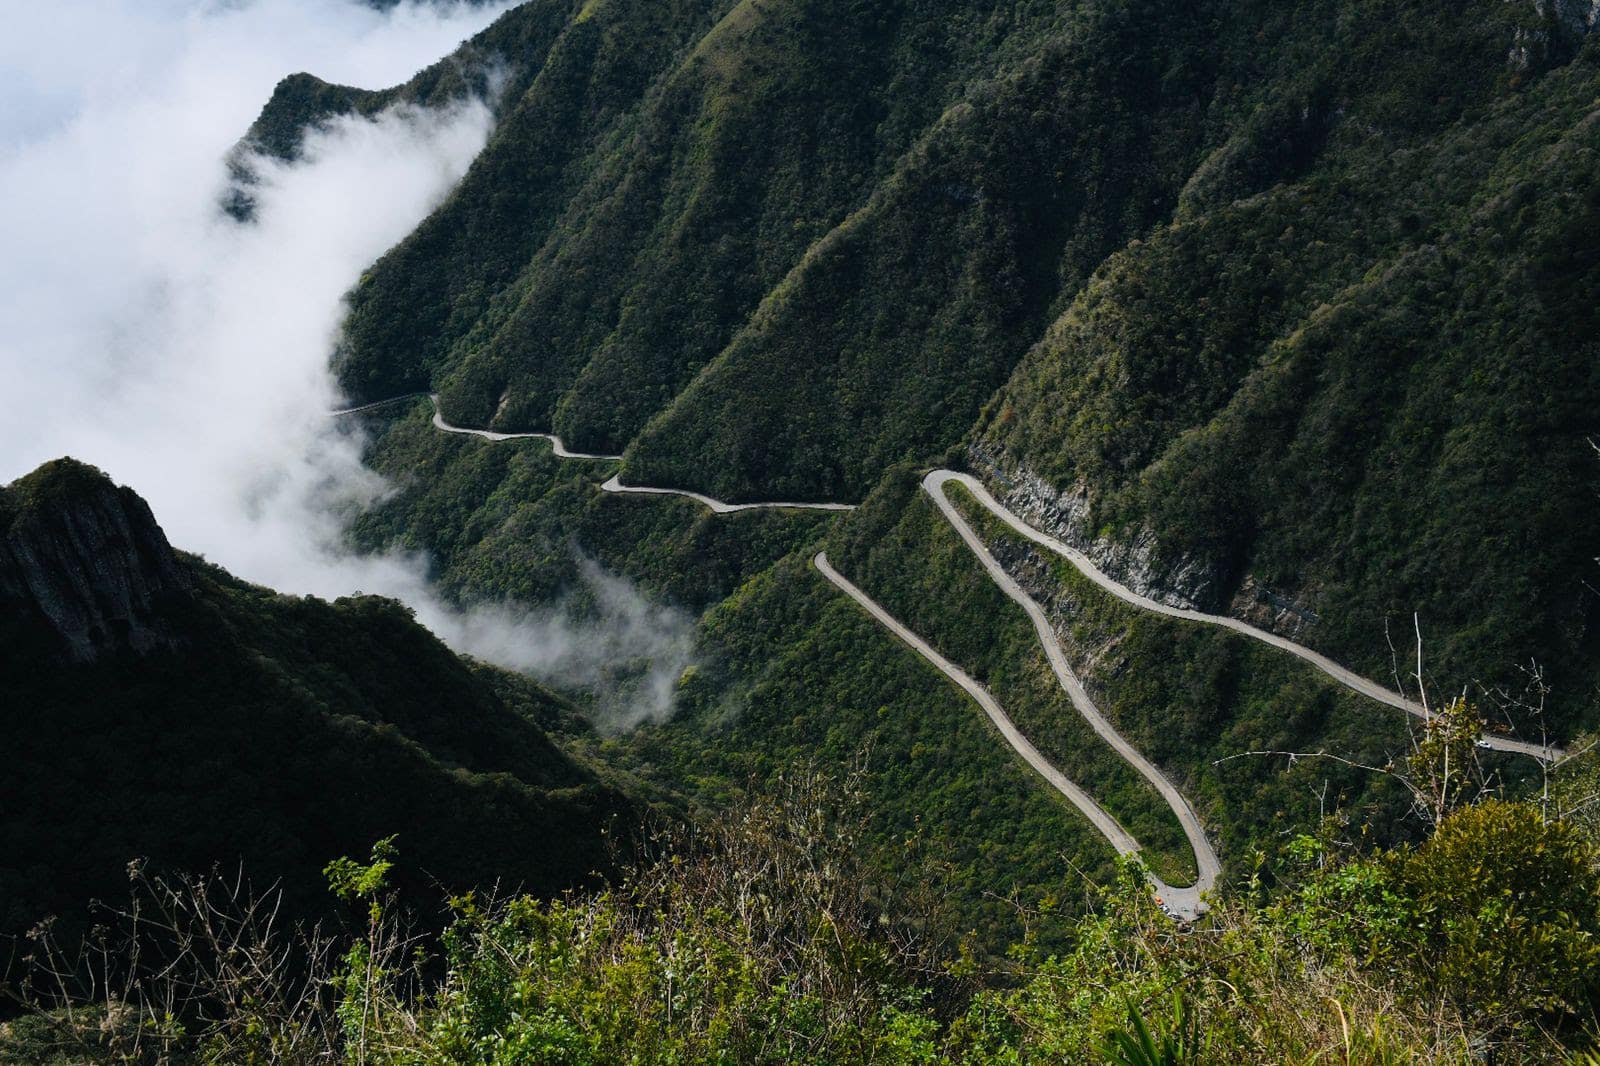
point(1442, 771)
point(368, 979)
point(1506, 904)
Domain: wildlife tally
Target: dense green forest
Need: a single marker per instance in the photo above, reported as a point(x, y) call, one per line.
point(789, 672)
point(1278, 173)
point(1264, 302)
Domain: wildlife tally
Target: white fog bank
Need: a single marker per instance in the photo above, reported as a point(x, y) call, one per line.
point(143, 331)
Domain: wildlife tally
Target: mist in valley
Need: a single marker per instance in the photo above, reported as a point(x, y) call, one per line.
point(147, 332)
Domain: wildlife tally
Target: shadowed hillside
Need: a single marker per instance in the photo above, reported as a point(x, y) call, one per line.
point(152, 706)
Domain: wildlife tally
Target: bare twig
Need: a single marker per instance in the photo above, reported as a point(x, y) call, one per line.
point(1422, 687)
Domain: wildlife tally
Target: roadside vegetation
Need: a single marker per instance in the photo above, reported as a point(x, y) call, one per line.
point(763, 937)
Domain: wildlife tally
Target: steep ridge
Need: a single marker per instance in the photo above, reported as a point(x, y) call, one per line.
point(767, 251)
point(885, 340)
point(1347, 400)
point(575, 79)
point(153, 707)
point(84, 567)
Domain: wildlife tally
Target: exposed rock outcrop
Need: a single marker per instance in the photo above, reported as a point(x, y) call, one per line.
point(1270, 610)
point(1567, 22)
point(1575, 16)
point(1065, 514)
point(86, 559)
point(1181, 582)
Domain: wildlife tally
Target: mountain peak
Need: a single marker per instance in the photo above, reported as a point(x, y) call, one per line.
point(86, 558)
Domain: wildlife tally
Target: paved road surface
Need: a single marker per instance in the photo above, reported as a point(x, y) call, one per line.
point(1205, 857)
point(616, 485)
point(487, 434)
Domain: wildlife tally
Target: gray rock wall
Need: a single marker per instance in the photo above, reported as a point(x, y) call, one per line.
point(1065, 514)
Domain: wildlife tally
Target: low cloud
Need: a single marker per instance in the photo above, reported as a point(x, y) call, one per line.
point(144, 331)
point(604, 639)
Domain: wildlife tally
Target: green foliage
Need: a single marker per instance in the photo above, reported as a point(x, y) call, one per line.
point(580, 984)
point(1244, 266)
point(283, 730)
point(1296, 297)
point(901, 551)
point(788, 672)
point(1181, 1044)
point(362, 976)
point(780, 246)
point(1356, 390)
point(796, 673)
point(1194, 697)
point(763, 937)
point(1442, 765)
point(1499, 911)
point(652, 973)
point(350, 880)
point(1506, 911)
point(53, 481)
point(509, 521)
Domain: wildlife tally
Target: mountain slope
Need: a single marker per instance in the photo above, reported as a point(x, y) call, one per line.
point(1283, 308)
point(1353, 397)
point(153, 706)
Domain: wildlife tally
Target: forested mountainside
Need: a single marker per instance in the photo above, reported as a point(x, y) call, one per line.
point(1277, 307)
point(153, 707)
point(1281, 310)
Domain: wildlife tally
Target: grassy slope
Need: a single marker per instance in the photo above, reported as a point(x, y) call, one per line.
point(903, 553)
point(751, 147)
point(565, 111)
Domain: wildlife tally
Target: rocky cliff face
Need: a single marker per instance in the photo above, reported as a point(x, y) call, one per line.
point(1568, 22)
point(1576, 16)
point(85, 559)
point(1065, 515)
point(1182, 582)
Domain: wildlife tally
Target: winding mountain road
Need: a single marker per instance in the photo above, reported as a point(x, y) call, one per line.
point(1183, 902)
point(614, 484)
point(1205, 857)
point(556, 443)
point(717, 506)
point(934, 485)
